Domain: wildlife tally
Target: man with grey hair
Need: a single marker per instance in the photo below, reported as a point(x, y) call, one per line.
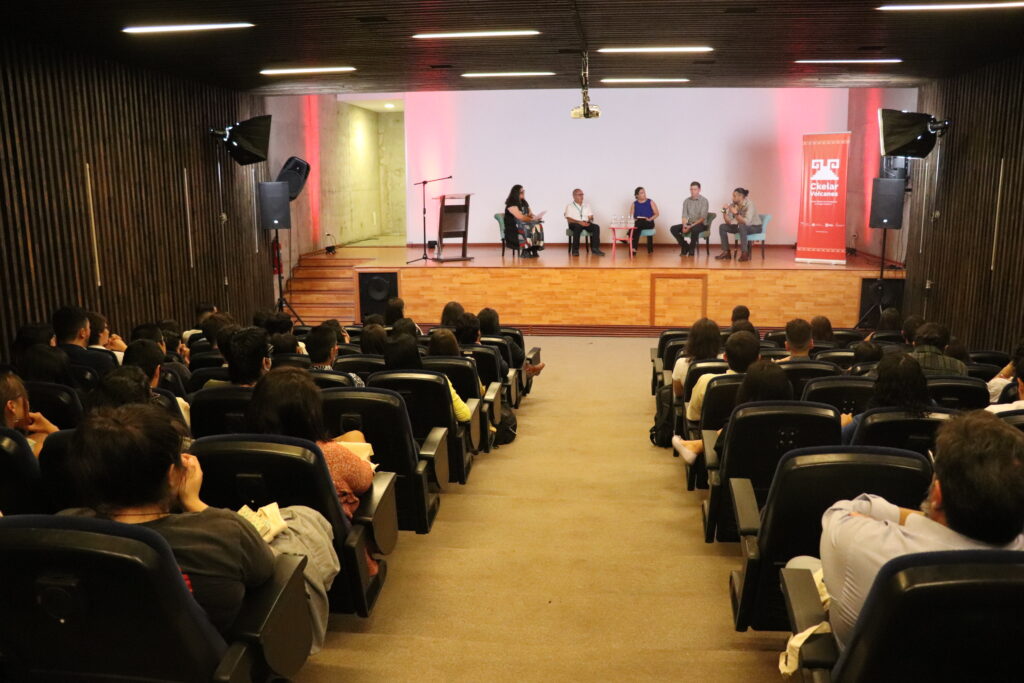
point(581, 217)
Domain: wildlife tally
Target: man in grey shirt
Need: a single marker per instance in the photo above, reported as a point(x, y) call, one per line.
point(976, 502)
point(695, 221)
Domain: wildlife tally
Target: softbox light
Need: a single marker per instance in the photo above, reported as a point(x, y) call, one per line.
point(906, 134)
point(246, 141)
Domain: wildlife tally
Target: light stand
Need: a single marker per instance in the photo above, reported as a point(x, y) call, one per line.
point(282, 300)
point(423, 200)
point(878, 287)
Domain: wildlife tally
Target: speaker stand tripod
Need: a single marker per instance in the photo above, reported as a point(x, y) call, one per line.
point(282, 300)
point(876, 309)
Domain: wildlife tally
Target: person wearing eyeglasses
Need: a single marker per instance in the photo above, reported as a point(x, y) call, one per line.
point(740, 218)
point(581, 219)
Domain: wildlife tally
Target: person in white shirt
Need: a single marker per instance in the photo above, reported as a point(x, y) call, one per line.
point(1013, 373)
point(581, 218)
point(101, 339)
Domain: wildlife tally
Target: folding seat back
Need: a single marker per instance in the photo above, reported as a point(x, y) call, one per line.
point(800, 372)
point(291, 360)
point(362, 364)
point(861, 369)
point(773, 354)
point(85, 377)
point(768, 344)
point(515, 334)
point(890, 336)
point(982, 371)
point(459, 370)
point(326, 379)
point(669, 335)
point(777, 336)
point(848, 394)
point(89, 600)
point(20, 481)
point(719, 400)
point(488, 364)
point(699, 368)
point(257, 469)
point(58, 403)
point(841, 357)
point(759, 434)
point(429, 403)
point(172, 382)
point(672, 351)
point(209, 359)
point(349, 349)
point(503, 347)
point(958, 393)
point(807, 482)
point(60, 490)
point(382, 417)
point(897, 428)
point(220, 410)
point(846, 338)
point(1013, 417)
point(952, 616)
point(1009, 394)
point(200, 377)
point(300, 331)
point(354, 331)
point(1000, 359)
point(197, 343)
point(168, 402)
point(825, 345)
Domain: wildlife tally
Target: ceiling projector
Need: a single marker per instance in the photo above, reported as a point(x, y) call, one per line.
point(589, 112)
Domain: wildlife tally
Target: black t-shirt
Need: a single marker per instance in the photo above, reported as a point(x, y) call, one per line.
point(219, 554)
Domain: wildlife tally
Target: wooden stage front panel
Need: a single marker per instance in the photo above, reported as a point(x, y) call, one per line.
point(656, 290)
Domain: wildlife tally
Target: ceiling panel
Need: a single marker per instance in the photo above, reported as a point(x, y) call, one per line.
point(755, 43)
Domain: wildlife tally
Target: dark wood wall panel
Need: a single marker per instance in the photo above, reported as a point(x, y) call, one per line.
point(976, 273)
point(138, 140)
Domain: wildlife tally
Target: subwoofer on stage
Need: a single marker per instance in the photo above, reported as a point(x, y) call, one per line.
point(887, 203)
point(275, 211)
point(294, 172)
point(892, 296)
point(374, 291)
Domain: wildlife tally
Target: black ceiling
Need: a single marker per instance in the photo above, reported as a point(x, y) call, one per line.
point(755, 42)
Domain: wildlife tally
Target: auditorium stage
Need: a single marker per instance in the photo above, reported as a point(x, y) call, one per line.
point(589, 295)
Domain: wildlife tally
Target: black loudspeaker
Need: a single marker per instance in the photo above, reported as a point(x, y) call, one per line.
point(887, 203)
point(275, 212)
point(294, 172)
point(374, 291)
point(892, 296)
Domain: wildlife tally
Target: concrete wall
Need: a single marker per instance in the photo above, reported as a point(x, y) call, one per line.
point(391, 146)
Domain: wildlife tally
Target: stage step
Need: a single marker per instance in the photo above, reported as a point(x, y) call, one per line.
point(328, 271)
point(320, 297)
point(310, 284)
point(317, 313)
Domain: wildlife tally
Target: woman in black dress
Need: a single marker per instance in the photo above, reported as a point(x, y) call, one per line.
point(523, 230)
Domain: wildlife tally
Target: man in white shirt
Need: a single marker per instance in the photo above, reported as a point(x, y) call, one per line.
point(1011, 374)
point(581, 217)
point(976, 501)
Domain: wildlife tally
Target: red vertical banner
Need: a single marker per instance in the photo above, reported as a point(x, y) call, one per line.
point(821, 237)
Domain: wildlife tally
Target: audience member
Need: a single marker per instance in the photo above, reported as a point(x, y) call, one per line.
point(443, 343)
point(799, 341)
point(71, 326)
point(1012, 373)
point(372, 339)
point(284, 343)
point(404, 326)
point(395, 311)
point(130, 468)
point(900, 384)
point(339, 331)
point(150, 358)
point(821, 329)
point(322, 346)
point(402, 353)
point(101, 339)
point(890, 319)
point(171, 362)
point(44, 363)
point(929, 340)
point(278, 323)
point(249, 356)
point(490, 326)
point(909, 329)
point(203, 311)
point(740, 312)
point(18, 414)
point(29, 335)
point(450, 313)
point(373, 319)
point(467, 331)
point(261, 316)
point(957, 349)
point(745, 326)
point(764, 381)
point(741, 349)
point(224, 337)
point(213, 324)
point(866, 352)
point(119, 387)
point(975, 502)
point(704, 343)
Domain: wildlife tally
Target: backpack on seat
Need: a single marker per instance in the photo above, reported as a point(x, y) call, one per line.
point(661, 432)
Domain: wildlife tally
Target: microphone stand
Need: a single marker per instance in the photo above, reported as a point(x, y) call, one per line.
point(423, 193)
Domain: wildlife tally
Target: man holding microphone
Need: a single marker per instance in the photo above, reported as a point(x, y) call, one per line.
point(695, 218)
point(581, 217)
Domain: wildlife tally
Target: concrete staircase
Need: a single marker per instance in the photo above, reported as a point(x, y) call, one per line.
point(322, 287)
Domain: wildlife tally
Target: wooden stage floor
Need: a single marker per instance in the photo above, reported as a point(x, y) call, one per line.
point(558, 293)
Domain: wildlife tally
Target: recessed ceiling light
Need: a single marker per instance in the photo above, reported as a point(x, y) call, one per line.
point(502, 74)
point(184, 27)
point(656, 49)
point(477, 34)
point(938, 7)
point(311, 70)
point(848, 61)
point(645, 80)
point(388, 105)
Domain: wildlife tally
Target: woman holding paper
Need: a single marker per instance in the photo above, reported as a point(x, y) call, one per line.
point(523, 229)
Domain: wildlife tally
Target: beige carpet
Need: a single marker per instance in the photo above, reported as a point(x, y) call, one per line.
point(575, 553)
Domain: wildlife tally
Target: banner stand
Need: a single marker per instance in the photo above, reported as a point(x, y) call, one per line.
point(821, 236)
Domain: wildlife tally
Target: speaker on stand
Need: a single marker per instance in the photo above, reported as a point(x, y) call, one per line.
point(276, 215)
point(887, 194)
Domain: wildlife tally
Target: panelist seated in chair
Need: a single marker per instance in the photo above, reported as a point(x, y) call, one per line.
point(740, 217)
point(581, 219)
point(523, 229)
point(695, 218)
point(130, 468)
point(643, 212)
point(975, 502)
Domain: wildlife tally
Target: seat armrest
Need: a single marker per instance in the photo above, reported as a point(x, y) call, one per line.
point(435, 449)
point(378, 511)
point(275, 617)
point(472, 428)
point(659, 365)
point(533, 356)
point(803, 604)
point(492, 398)
point(748, 517)
point(474, 408)
point(510, 378)
point(654, 353)
point(666, 377)
point(711, 459)
point(235, 666)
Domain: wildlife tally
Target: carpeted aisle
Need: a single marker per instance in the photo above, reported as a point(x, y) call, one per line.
point(574, 553)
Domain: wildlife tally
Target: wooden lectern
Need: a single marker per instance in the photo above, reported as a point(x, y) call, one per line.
point(453, 221)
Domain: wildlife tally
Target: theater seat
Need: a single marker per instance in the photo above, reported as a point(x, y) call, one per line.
point(20, 481)
point(959, 393)
point(291, 360)
point(848, 394)
point(58, 404)
point(719, 402)
point(209, 359)
point(799, 372)
point(220, 410)
point(200, 377)
point(940, 616)
point(362, 364)
point(327, 379)
point(88, 599)
point(257, 469)
point(461, 372)
point(807, 482)
point(896, 428)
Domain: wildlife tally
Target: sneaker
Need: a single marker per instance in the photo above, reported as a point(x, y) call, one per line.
point(744, 257)
point(597, 252)
point(575, 252)
point(533, 370)
point(725, 255)
point(688, 456)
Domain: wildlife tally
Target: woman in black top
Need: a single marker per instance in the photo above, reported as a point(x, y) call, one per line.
point(522, 228)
